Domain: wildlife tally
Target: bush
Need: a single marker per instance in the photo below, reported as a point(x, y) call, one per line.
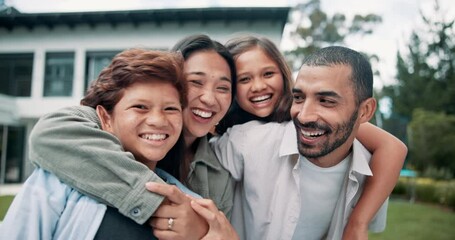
point(427, 190)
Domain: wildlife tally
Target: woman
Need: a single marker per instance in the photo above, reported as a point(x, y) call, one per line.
point(138, 101)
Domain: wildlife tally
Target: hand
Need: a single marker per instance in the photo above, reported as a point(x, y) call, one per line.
point(219, 226)
point(186, 223)
point(354, 231)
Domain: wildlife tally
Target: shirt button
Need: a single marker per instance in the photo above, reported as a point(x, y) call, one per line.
point(136, 212)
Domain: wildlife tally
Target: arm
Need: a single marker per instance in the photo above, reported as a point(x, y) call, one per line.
point(388, 155)
point(71, 144)
point(36, 209)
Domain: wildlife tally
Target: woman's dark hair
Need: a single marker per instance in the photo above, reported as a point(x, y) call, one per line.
point(187, 46)
point(140, 65)
point(236, 115)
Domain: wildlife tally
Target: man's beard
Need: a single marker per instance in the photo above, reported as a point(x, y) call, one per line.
point(343, 130)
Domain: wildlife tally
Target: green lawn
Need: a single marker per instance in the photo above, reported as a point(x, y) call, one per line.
point(5, 201)
point(417, 222)
point(405, 221)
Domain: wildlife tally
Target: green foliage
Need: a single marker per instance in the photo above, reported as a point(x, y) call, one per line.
point(315, 29)
point(431, 140)
point(426, 71)
point(427, 190)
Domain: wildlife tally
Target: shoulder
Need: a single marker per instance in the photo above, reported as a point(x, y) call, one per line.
point(258, 127)
point(75, 111)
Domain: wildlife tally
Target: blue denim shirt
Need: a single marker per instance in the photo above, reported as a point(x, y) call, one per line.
point(46, 208)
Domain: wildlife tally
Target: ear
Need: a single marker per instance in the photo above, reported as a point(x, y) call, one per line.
point(105, 118)
point(367, 109)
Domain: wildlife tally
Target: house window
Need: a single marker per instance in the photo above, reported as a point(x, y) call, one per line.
point(96, 61)
point(12, 145)
point(58, 79)
point(16, 74)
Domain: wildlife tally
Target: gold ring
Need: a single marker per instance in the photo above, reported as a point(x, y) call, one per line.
point(170, 224)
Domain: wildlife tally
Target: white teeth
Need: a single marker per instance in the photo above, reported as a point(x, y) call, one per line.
point(261, 98)
point(312, 134)
point(154, 137)
point(202, 114)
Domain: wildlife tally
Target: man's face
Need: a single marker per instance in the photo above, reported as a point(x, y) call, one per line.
point(324, 112)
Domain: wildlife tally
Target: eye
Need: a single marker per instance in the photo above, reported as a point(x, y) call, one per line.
point(243, 79)
point(224, 89)
point(297, 98)
point(140, 106)
point(195, 82)
point(173, 109)
point(269, 74)
point(327, 102)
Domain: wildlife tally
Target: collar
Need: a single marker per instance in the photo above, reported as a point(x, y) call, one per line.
point(360, 159)
point(288, 144)
point(360, 155)
point(205, 155)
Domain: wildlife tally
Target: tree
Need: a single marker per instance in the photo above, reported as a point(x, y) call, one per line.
point(431, 139)
point(426, 73)
point(314, 29)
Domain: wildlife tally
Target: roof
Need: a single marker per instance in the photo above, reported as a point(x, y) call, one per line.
point(10, 18)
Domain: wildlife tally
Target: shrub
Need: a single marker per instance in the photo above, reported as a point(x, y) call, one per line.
point(427, 190)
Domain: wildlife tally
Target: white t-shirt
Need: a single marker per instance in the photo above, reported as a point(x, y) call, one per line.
point(320, 189)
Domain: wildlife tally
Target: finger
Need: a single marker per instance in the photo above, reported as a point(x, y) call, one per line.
point(170, 191)
point(160, 223)
point(165, 234)
point(207, 203)
point(206, 213)
point(167, 211)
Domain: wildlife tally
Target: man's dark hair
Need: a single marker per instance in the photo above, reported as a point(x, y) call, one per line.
point(361, 76)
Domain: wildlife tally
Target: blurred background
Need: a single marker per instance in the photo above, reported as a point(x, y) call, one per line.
point(50, 50)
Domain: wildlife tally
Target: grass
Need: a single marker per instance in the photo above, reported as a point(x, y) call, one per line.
point(405, 221)
point(5, 201)
point(417, 222)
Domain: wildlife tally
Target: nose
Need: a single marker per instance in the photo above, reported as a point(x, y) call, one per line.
point(307, 112)
point(208, 97)
point(258, 85)
point(156, 118)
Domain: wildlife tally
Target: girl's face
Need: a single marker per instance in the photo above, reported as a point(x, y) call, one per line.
point(209, 93)
point(147, 120)
point(259, 82)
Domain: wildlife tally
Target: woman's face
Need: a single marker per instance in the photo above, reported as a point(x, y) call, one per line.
point(259, 82)
point(147, 120)
point(209, 92)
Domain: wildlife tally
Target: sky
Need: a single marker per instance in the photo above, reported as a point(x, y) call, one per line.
point(399, 18)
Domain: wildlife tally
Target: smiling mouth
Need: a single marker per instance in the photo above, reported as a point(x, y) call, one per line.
point(154, 136)
point(312, 134)
point(260, 99)
point(202, 114)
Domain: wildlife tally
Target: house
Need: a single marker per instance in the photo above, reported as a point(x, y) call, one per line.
point(47, 60)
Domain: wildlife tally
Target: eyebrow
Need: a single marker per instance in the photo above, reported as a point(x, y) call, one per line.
point(323, 93)
point(205, 74)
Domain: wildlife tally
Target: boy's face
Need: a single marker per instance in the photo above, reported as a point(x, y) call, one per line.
point(147, 120)
point(324, 111)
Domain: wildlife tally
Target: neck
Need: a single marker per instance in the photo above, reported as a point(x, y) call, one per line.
point(334, 157)
point(189, 147)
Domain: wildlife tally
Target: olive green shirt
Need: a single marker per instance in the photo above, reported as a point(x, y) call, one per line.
point(71, 144)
